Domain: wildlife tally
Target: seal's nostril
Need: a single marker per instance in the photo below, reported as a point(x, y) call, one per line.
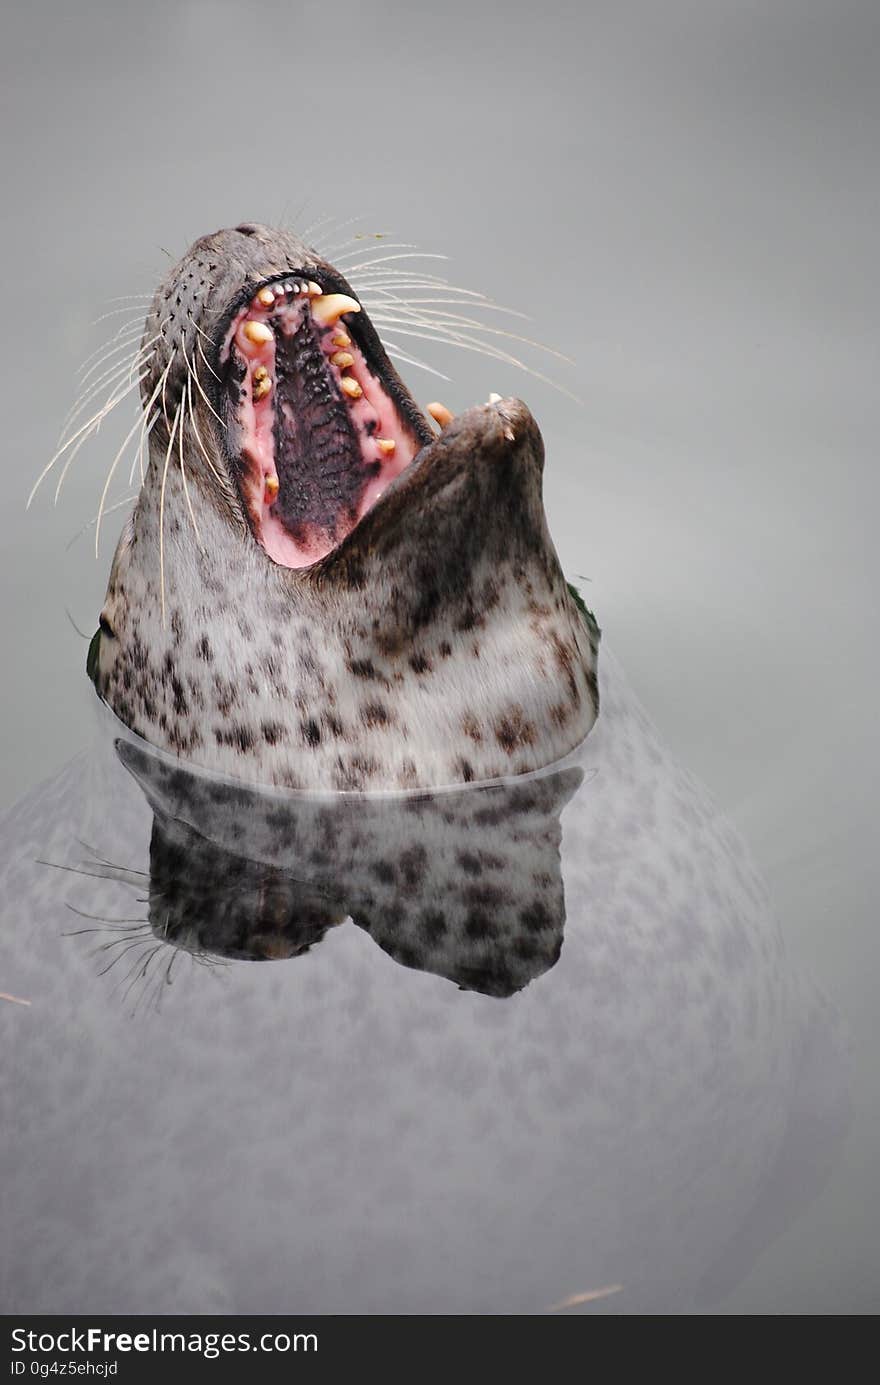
point(247, 228)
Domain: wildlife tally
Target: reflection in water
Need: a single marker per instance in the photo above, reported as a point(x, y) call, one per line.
point(626, 1086)
point(465, 884)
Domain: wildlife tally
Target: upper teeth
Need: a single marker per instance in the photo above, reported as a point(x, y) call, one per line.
point(330, 306)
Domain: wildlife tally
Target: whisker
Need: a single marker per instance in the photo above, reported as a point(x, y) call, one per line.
point(441, 319)
point(195, 376)
point(126, 341)
point(400, 355)
point(107, 379)
point(162, 509)
point(69, 462)
point(207, 362)
point(470, 344)
point(138, 459)
point(114, 312)
point(198, 436)
point(362, 250)
point(138, 423)
point(185, 485)
point(350, 221)
point(139, 942)
point(137, 972)
point(118, 873)
point(309, 231)
point(406, 279)
point(93, 424)
point(456, 302)
point(202, 333)
point(106, 928)
point(407, 255)
point(109, 510)
point(102, 860)
point(99, 918)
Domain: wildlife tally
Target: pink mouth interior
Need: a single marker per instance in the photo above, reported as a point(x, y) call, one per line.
point(318, 439)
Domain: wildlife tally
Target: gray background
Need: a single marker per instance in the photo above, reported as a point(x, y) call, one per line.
point(684, 198)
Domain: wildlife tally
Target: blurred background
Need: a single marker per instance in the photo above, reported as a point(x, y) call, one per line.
point(684, 199)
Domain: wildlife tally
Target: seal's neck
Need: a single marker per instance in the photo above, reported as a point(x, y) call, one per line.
point(437, 643)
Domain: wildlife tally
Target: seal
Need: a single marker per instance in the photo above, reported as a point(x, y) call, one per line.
point(315, 590)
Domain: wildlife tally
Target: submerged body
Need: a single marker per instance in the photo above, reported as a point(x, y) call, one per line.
point(314, 589)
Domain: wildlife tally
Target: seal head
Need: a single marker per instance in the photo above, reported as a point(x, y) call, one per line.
point(315, 589)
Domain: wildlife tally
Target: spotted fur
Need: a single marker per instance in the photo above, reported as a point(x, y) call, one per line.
point(439, 643)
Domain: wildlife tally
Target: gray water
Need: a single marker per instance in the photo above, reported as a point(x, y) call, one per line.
point(684, 199)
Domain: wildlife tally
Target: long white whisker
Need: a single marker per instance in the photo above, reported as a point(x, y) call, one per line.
point(185, 485)
point(207, 362)
point(195, 375)
point(198, 436)
point(129, 435)
point(136, 364)
point(401, 279)
point(369, 250)
point(93, 423)
point(407, 255)
point(452, 320)
point(451, 302)
point(470, 344)
point(124, 346)
point(162, 509)
point(410, 272)
point(138, 459)
point(350, 221)
point(109, 510)
point(109, 377)
point(125, 337)
point(399, 354)
point(114, 312)
point(202, 333)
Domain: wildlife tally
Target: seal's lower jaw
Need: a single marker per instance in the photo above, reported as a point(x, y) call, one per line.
point(315, 431)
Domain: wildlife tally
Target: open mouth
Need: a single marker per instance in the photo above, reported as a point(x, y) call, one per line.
point(319, 424)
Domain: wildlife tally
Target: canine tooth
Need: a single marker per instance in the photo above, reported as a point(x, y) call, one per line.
point(258, 333)
point(386, 445)
point(494, 398)
point(314, 289)
point(342, 358)
point(350, 387)
point(272, 488)
point(265, 297)
point(341, 338)
point(440, 414)
point(330, 306)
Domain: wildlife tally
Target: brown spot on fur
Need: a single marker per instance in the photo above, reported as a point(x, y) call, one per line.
point(559, 714)
point(471, 728)
point(375, 714)
point(512, 731)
